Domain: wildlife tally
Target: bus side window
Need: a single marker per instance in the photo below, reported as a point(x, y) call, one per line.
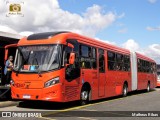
point(147, 67)
point(111, 60)
point(101, 61)
point(84, 51)
point(120, 61)
point(139, 62)
point(85, 56)
point(126, 63)
point(150, 67)
point(67, 54)
point(94, 58)
point(154, 68)
point(143, 66)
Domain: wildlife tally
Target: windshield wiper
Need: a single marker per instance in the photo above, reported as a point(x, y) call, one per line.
point(39, 71)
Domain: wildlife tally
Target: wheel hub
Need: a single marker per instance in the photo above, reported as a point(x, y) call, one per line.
point(84, 95)
point(148, 88)
point(125, 91)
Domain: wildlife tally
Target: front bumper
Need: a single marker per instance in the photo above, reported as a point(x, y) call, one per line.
point(52, 93)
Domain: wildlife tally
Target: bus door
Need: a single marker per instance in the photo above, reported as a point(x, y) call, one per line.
point(88, 64)
point(72, 71)
point(102, 74)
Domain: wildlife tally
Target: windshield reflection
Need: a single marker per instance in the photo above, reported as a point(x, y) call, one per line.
point(37, 58)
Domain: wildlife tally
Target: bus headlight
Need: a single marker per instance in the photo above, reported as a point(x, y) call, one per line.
point(51, 82)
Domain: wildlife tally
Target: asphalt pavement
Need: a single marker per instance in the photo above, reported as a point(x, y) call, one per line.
point(138, 105)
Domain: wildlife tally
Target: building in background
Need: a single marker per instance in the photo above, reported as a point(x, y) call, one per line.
point(6, 38)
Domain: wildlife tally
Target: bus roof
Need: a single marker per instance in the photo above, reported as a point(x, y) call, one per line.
point(42, 36)
point(61, 36)
point(102, 44)
point(140, 56)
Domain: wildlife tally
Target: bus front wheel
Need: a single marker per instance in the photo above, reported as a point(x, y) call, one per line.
point(84, 96)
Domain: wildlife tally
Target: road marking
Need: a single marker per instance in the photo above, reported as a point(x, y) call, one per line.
point(86, 118)
point(46, 118)
point(105, 112)
point(88, 110)
point(84, 106)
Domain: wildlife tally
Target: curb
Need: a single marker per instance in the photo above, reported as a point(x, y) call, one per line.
point(8, 103)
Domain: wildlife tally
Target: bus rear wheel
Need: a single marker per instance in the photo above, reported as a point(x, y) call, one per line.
point(84, 96)
point(148, 87)
point(125, 90)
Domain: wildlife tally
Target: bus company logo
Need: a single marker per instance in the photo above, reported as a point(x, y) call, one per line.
point(27, 84)
point(20, 85)
point(14, 9)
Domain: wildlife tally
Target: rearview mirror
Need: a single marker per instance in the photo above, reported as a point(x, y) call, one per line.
point(70, 45)
point(72, 58)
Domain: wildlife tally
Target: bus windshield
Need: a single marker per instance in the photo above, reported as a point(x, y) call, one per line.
point(37, 58)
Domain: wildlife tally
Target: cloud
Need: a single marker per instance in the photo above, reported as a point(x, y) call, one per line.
point(45, 16)
point(152, 51)
point(131, 45)
point(120, 24)
point(155, 48)
point(122, 15)
point(153, 28)
point(124, 30)
point(152, 1)
point(106, 41)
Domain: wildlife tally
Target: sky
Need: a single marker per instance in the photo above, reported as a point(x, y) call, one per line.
point(131, 24)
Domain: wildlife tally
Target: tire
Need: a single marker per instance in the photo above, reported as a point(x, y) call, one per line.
point(125, 90)
point(148, 87)
point(84, 96)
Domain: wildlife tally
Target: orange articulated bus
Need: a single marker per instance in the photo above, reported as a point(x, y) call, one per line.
point(64, 66)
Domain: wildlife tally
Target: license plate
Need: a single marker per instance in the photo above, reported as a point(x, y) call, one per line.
point(27, 96)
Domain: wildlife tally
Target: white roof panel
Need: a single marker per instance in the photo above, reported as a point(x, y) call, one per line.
point(10, 35)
